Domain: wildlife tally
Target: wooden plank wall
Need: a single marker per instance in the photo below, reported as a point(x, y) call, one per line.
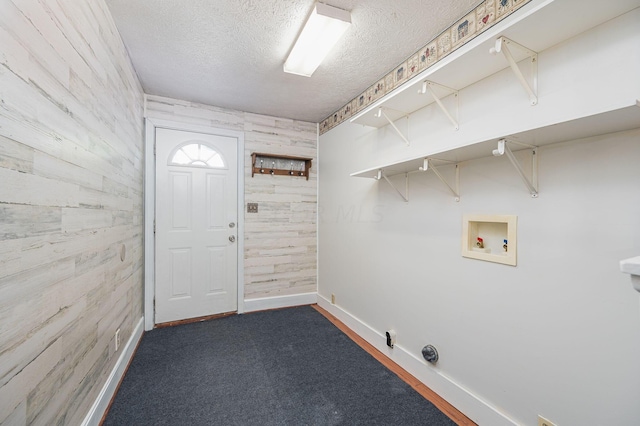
point(280, 240)
point(71, 174)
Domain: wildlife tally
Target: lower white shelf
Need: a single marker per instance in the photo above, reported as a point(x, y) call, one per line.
point(617, 120)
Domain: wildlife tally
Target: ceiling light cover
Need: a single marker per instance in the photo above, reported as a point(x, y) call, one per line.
point(323, 29)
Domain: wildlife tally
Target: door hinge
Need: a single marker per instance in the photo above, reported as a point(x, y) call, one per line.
point(154, 149)
point(154, 226)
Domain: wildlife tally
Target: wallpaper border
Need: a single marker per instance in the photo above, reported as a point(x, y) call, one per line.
point(478, 20)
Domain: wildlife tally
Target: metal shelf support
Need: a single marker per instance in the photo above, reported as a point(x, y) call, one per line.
point(405, 195)
point(427, 86)
point(381, 113)
point(532, 185)
point(428, 165)
point(503, 45)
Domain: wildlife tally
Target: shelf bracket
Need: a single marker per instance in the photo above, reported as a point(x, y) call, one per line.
point(405, 195)
point(427, 86)
point(502, 46)
point(532, 184)
point(381, 113)
point(428, 165)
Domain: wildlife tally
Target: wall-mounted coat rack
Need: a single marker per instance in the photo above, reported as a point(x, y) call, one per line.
point(282, 165)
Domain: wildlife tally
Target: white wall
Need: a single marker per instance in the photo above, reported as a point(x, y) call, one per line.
point(557, 335)
point(71, 142)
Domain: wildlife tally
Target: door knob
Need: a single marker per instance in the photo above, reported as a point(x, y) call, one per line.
point(232, 238)
point(232, 225)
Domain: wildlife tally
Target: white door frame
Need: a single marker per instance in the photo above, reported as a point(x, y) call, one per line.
point(150, 202)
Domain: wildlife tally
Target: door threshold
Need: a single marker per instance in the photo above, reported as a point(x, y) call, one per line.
point(197, 319)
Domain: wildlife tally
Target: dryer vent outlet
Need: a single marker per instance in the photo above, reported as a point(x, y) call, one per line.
point(430, 354)
point(391, 338)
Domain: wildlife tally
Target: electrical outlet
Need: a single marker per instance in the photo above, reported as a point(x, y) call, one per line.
point(333, 299)
point(544, 422)
point(252, 207)
point(117, 339)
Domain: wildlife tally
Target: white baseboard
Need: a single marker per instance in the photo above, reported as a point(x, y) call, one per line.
point(276, 302)
point(472, 406)
point(108, 390)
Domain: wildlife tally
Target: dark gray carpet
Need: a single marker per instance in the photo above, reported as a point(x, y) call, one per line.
point(285, 367)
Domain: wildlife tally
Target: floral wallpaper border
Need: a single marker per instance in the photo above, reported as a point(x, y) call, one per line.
point(482, 17)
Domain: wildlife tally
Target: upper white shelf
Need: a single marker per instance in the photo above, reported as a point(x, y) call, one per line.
point(618, 120)
point(537, 26)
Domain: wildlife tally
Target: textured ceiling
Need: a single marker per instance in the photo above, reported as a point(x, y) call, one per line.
point(229, 53)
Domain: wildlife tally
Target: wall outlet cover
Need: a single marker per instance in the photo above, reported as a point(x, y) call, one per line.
point(117, 339)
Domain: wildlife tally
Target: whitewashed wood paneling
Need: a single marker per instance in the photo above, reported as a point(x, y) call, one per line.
point(71, 173)
point(280, 240)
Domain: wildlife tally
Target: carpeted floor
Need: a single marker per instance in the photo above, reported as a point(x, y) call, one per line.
point(284, 367)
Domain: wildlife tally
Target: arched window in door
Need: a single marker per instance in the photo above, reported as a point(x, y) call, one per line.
point(197, 154)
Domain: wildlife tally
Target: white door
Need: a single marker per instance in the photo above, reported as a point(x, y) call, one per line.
point(196, 216)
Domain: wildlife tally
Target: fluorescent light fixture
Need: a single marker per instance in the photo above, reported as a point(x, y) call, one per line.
point(323, 29)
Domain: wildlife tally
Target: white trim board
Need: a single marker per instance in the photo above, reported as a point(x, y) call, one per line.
point(108, 390)
point(150, 201)
point(276, 302)
point(469, 404)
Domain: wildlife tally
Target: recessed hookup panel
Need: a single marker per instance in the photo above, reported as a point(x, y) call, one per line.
point(492, 238)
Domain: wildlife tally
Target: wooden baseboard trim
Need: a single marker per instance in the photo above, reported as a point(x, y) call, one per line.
point(97, 412)
point(448, 409)
point(115, 392)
